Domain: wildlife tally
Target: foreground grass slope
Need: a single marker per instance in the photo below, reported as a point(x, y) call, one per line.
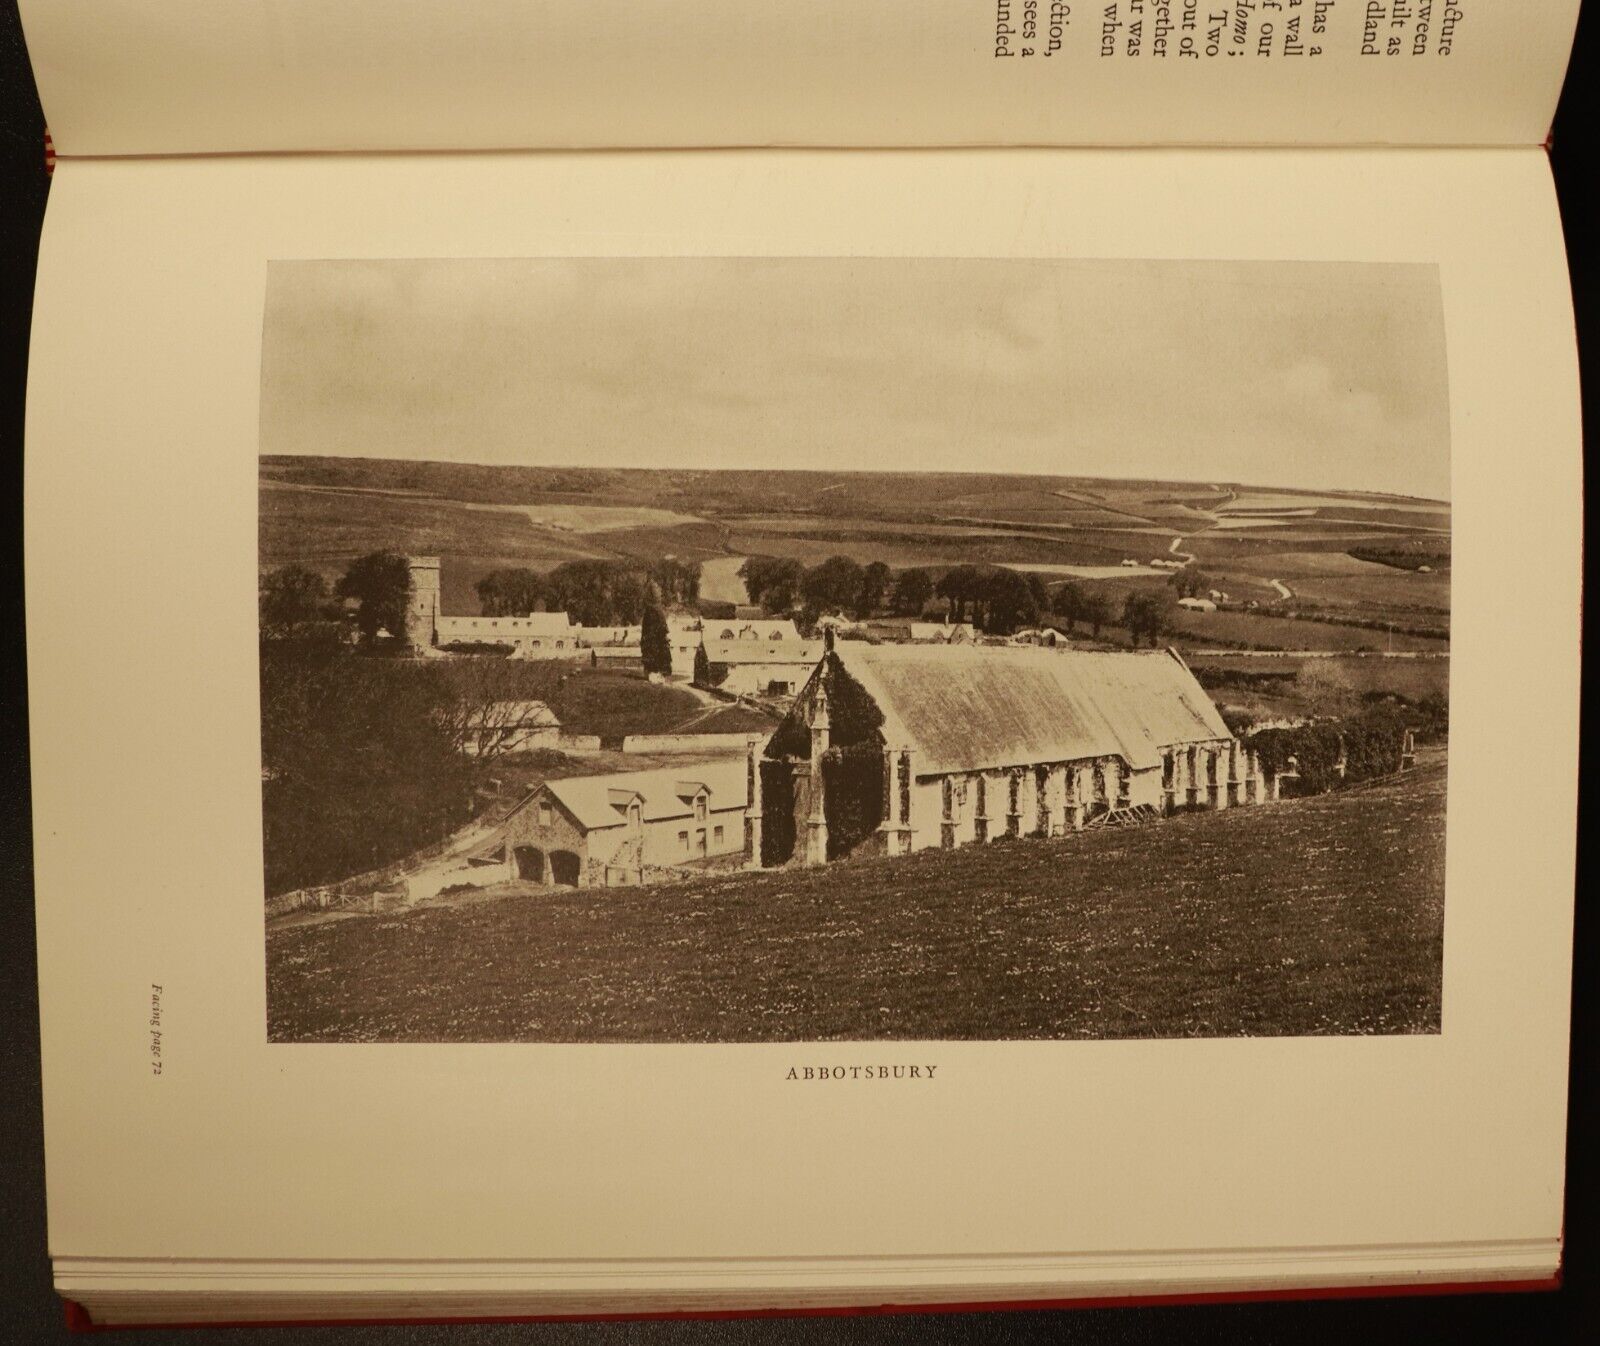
point(1319, 916)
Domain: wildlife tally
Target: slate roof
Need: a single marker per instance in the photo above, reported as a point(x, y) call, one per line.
point(770, 629)
point(602, 801)
point(763, 651)
point(969, 708)
point(552, 624)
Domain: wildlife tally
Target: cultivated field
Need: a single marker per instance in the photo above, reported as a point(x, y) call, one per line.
point(1254, 542)
point(1318, 916)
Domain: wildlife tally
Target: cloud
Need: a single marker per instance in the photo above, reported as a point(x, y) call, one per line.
point(1306, 374)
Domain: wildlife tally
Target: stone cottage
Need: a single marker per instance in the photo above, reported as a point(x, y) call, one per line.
point(615, 830)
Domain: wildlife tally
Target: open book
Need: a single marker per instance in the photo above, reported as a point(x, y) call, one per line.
point(809, 655)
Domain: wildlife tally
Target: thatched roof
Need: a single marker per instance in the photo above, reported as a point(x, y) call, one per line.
point(965, 708)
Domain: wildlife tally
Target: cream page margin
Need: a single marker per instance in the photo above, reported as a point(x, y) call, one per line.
point(141, 567)
point(159, 77)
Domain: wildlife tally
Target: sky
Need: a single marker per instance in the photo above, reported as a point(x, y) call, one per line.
point(1301, 374)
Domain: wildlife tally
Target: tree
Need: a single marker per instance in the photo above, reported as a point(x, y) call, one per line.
point(835, 585)
point(361, 762)
point(599, 593)
point(676, 583)
point(874, 588)
point(998, 598)
point(912, 590)
point(291, 603)
point(1096, 610)
point(1145, 614)
point(1190, 582)
point(705, 673)
point(655, 645)
point(510, 593)
point(959, 586)
point(772, 582)
point(1071, 604)
point(1008, 601)
point(381, 583)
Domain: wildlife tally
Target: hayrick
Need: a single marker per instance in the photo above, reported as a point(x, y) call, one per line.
point(860, 1072)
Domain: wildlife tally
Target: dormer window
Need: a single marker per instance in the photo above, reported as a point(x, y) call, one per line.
point(700, 808)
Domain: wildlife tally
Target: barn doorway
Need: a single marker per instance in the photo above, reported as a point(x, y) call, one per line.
point(777, 808)
point(530, 863)
point(564, 869)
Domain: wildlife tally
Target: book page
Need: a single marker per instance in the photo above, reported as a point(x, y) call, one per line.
point(134, 77)
point(1201, 1011)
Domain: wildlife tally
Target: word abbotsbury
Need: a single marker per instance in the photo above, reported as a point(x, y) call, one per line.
point(860, 1072)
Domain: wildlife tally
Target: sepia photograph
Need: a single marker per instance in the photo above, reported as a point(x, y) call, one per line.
point(815, 649)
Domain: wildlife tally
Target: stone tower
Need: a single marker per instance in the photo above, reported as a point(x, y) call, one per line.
point(422, 606)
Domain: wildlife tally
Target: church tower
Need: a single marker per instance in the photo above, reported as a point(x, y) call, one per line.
point(422, 605)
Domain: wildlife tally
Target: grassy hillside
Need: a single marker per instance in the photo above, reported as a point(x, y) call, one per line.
point(1284, 550)
point(1322, 916)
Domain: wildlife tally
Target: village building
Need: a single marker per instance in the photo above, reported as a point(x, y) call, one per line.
point(766, 658)
point(623, 829)
point(684, 634)
point(538, 635)
point(1046, 637)
point(596, 636)
point(1197, 605)
point(905, 631)
point(897, 748)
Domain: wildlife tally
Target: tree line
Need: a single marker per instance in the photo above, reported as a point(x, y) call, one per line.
point(995, 599)
point(298, 604)
point(365, 761)
point(592, 593)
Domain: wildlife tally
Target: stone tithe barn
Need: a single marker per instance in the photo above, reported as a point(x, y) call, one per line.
point(895, 748)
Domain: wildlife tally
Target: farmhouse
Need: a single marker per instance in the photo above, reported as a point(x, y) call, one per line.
point(901, 747)
point(1197, 605)
point(767, 658)
point(611, 831)
point(769, 630)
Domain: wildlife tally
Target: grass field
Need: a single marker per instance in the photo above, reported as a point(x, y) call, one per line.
point(1202, 629)
point(609, 703)
point(326, 529)
point(1319, 916)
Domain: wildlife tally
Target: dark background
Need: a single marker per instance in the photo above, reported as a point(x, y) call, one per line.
point(29, 1309)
